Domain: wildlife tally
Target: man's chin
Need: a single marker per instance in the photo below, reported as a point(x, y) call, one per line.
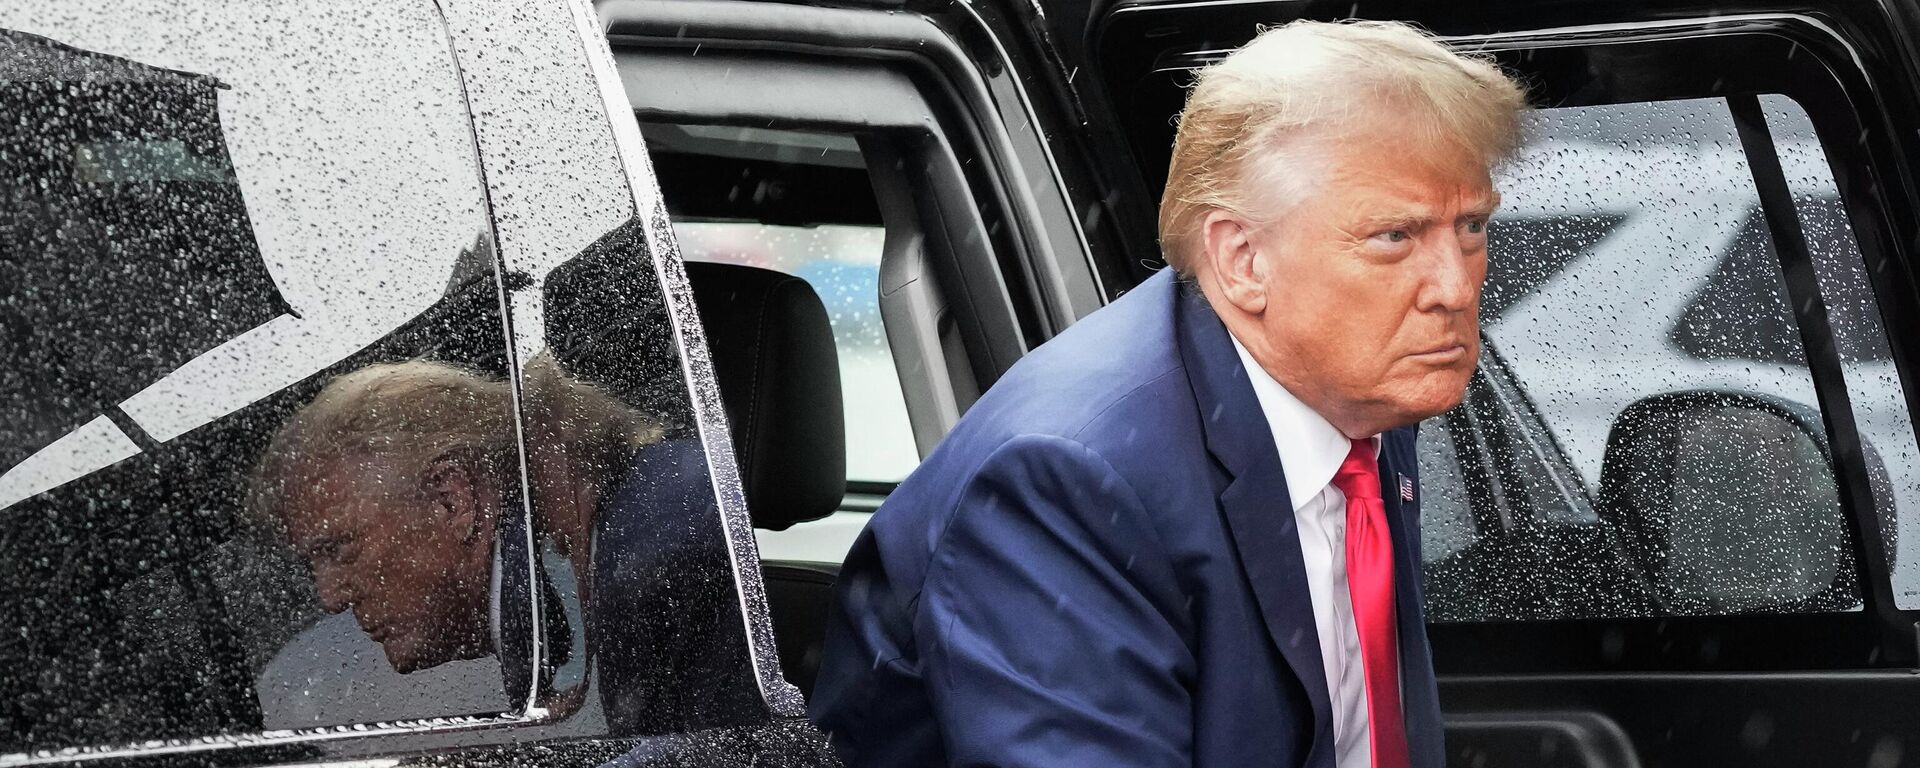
point(403, 659)
point(406, 659)
point(1436, 398)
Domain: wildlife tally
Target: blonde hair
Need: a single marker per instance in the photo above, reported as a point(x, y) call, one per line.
point(592, 431)
point(394, 419)
point(1247, 114)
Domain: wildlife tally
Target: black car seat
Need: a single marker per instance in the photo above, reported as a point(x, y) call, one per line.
point(779, 376)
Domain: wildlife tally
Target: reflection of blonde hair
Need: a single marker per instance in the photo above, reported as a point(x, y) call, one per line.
point(590, 429)
point(393, 419)
point(1247, 113)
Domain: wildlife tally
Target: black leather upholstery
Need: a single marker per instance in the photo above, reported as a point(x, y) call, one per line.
point(798, 597)
point(779, 377)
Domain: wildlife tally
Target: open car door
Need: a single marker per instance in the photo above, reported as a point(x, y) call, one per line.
point(1677, 521)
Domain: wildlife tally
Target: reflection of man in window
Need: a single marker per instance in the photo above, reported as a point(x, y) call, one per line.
point(390, 485)
point(397, 484)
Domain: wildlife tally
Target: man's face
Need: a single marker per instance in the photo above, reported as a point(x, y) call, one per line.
point(1372, 281)
point(417, 578)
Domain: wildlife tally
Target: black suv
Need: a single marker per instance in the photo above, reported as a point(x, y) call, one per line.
point(1666, 526)
point(381, 393)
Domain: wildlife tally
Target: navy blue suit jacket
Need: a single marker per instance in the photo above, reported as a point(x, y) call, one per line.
point(1099, 567)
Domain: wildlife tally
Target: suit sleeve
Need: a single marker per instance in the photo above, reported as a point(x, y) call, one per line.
point(1051, 625)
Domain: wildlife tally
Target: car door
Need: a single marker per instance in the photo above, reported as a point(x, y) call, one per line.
point(906, 167)
point(1666, 527)
point(355, 411)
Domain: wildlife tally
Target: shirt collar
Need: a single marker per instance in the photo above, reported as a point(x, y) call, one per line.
point(1311, 448)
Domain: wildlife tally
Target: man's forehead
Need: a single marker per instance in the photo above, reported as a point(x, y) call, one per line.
point(1475, 197)
point(321, 495)
point(1416, 192)
point(1400, 158)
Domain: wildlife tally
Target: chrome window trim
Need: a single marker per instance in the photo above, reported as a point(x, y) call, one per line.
point(709, 415)
point(198, 744)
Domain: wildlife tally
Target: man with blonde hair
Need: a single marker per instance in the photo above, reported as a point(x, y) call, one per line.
point(399, 485)
point(392, 481)
point(1185, 532)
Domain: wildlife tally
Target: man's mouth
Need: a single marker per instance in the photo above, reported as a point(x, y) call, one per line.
point(1442, 354)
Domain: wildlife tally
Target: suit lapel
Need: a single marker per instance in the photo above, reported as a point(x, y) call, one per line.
point(1255, 502)
point(1419, 694)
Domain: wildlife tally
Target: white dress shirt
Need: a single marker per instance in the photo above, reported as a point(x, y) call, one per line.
point(1311, 451)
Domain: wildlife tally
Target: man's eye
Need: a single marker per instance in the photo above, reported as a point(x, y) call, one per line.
point(1476, 226)
point(1394, 236)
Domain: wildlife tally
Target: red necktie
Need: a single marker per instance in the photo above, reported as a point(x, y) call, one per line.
point(1370, 581)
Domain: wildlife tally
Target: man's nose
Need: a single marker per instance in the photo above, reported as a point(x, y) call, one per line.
point(1452, 281)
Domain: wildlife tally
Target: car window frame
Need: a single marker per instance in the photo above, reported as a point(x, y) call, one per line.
point(1038, 245)
point(1878, 636)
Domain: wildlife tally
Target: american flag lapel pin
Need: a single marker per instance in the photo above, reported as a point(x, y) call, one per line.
point(1406, 488)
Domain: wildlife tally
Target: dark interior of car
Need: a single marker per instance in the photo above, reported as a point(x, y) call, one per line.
point(774, 358)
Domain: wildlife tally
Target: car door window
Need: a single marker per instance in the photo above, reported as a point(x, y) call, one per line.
point(833, 155)
point(800, 203)
point(1671, 285)
point(257, 463)
point(1873, 382)
point(1509, 529)
point(637, 506)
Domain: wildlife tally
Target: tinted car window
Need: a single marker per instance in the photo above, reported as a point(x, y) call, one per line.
point(1874, 385)
point(621, 488)
point(1636, 268)
point(255, 344)
point(1549, 243)
point(635, 501)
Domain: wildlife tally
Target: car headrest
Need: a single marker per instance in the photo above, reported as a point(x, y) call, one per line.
point(779, 378)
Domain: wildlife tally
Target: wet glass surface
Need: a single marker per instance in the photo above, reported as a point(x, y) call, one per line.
point(621, 489)
point(1721, 557)
point(288, 450)
point(260, 351)
point(1873, 383)
point(624, 500)
point(1629, 261)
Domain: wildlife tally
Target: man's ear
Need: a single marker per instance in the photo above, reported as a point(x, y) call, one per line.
point(460, 494)
point(1239, 274)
